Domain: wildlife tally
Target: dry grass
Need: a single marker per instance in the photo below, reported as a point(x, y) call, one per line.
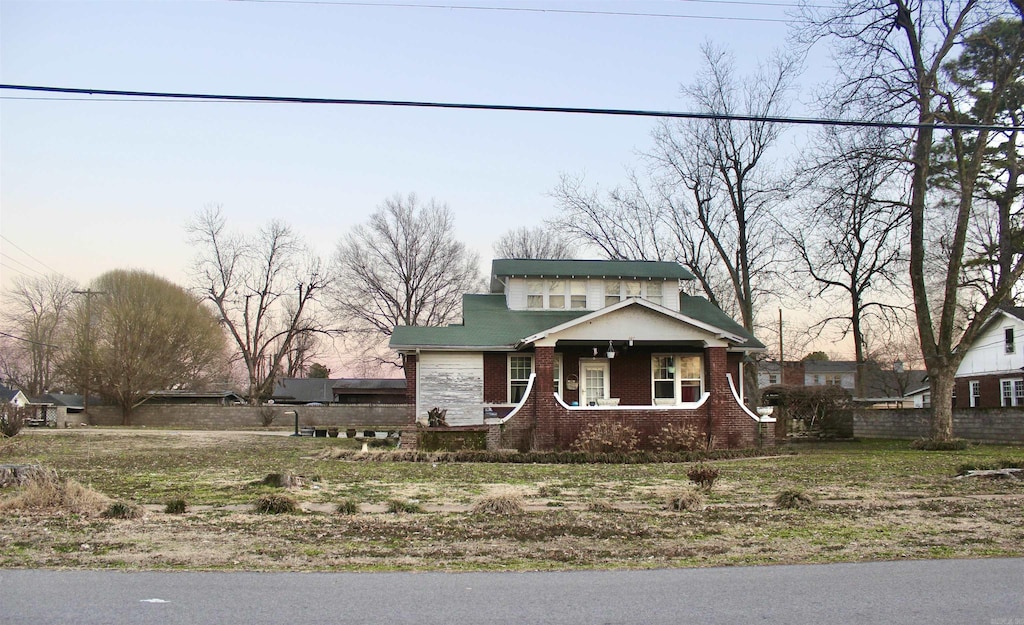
point(48, 493)
point(506, 503)
point(686, 500)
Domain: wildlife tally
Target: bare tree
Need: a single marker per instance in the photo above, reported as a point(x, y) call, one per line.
point(537, 242)
point(264, 289)
point(144, 334)
point(403, 267)
point(721, 167)
point(892, 56)
point(851, 231)
point(35, 312)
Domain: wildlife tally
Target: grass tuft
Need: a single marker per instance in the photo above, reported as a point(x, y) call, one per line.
point(686, 500)
point(280, 480)
point(792, 498)
point(601, 506)
point(123, 510)
point(47, 492)
point(403, 506)
point(276, 504)
point(503, 504)
point(347, 506)
point(176, 506)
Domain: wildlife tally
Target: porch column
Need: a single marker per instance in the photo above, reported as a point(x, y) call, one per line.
point(718, 404)
point(410, 363)
point(544, 401)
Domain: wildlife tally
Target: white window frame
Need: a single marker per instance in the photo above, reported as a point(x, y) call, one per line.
point(523, 382)
point(1011, 392)
point(535, 294)
point(677, 378)
point(833, 379)
point(974, 392)
point(1008, 339)
point(652, 297)
point(773, 379)
point(557, 373)
point(577, 290)
point(617, 290)
point(555, 289)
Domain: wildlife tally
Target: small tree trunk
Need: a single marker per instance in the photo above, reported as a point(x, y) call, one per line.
point(942, 403)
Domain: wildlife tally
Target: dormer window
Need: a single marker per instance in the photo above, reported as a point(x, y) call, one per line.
point(535, 294)
point(654, 292)
point(617, 290)
point(556, 294)
point(578, 294)
point(612, 289)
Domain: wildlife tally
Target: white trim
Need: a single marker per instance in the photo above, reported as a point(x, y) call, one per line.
point(693, 405)
point(717, 332)
point(519, 406)
point(736, 396)
point(508, 371)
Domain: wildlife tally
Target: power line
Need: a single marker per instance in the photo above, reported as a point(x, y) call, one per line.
point(18, 338)
point(206, 97)
point(15, 245)
point(477, 7)
point(15, 260)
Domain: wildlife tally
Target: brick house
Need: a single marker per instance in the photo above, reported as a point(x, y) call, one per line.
point(991, 374)
point(558, 344)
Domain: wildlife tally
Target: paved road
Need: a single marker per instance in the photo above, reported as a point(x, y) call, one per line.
point(986, 592)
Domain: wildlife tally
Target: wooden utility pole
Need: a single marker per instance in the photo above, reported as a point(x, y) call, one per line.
point(782, 360)
point(88, 293)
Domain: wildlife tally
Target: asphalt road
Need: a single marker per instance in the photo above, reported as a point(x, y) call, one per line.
point(986, 592)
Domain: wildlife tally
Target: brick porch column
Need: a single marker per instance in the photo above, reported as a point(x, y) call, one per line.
point(718, 404)
point(410, 386)
point(544, 402)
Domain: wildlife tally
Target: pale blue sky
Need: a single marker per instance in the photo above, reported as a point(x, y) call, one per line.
point(90, 186)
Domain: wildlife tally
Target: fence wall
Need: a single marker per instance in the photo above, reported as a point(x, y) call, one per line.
point(988, 425)
point(200, 417)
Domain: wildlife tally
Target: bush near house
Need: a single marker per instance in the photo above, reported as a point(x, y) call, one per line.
point(12, 419)
point(821, 411)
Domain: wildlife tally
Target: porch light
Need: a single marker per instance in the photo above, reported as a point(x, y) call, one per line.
point(611, 350)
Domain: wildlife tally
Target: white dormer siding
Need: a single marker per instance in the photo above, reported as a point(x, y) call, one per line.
point(569, 293)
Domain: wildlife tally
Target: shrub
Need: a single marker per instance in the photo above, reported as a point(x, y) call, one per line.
point(703, 475)
point(45, 491)
point(436, 418)
point(276, 504)
point(267, 416)
point(793, 498)
point(676, 437)
point(606, 437)
point(402, 506)
point(347, 506)
point(12, 419)
point(504, 504)
point(123, 510)
point(931, 444)
point(176, 506)
point(684, 500)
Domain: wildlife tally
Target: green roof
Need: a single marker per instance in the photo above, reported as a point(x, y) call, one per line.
point(488, 323)
point(540, 268)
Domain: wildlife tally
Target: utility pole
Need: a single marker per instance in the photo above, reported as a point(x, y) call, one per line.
point(88, 293)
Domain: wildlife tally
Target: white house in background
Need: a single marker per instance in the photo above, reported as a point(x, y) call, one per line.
point(991, 374)
point(13, 396)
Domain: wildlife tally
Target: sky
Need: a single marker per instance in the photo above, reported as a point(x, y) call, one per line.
point(87, 186)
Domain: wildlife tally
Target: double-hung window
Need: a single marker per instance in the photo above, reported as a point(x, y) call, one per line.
point(612, 290)
point(535, 294)
point(519, 369)
point(1012, 392)
point(577, 294)
point(676, 378)
point(975, 388)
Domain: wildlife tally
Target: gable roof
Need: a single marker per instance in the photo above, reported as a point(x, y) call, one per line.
point(8, 394)
point(489, 324)
point(545, 268)
point(1014, 311)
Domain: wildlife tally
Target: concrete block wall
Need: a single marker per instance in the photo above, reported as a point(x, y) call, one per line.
point(208, 417)
point(988, 425)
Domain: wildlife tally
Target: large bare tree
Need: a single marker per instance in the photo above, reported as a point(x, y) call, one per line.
point(404, 266)
point(143, 334)
point(264, 288)
point(893, 57)
point(850, 234)
point(36, 309)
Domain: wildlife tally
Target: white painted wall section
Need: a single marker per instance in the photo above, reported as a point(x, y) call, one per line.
point(638, 323)
point(988, 353)
point(452, 382)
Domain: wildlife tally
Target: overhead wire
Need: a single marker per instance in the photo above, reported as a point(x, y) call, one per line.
point(17, 247)
point(513, 9)
point(207, 97)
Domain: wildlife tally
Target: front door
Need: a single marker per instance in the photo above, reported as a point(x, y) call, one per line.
point(593, 381)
